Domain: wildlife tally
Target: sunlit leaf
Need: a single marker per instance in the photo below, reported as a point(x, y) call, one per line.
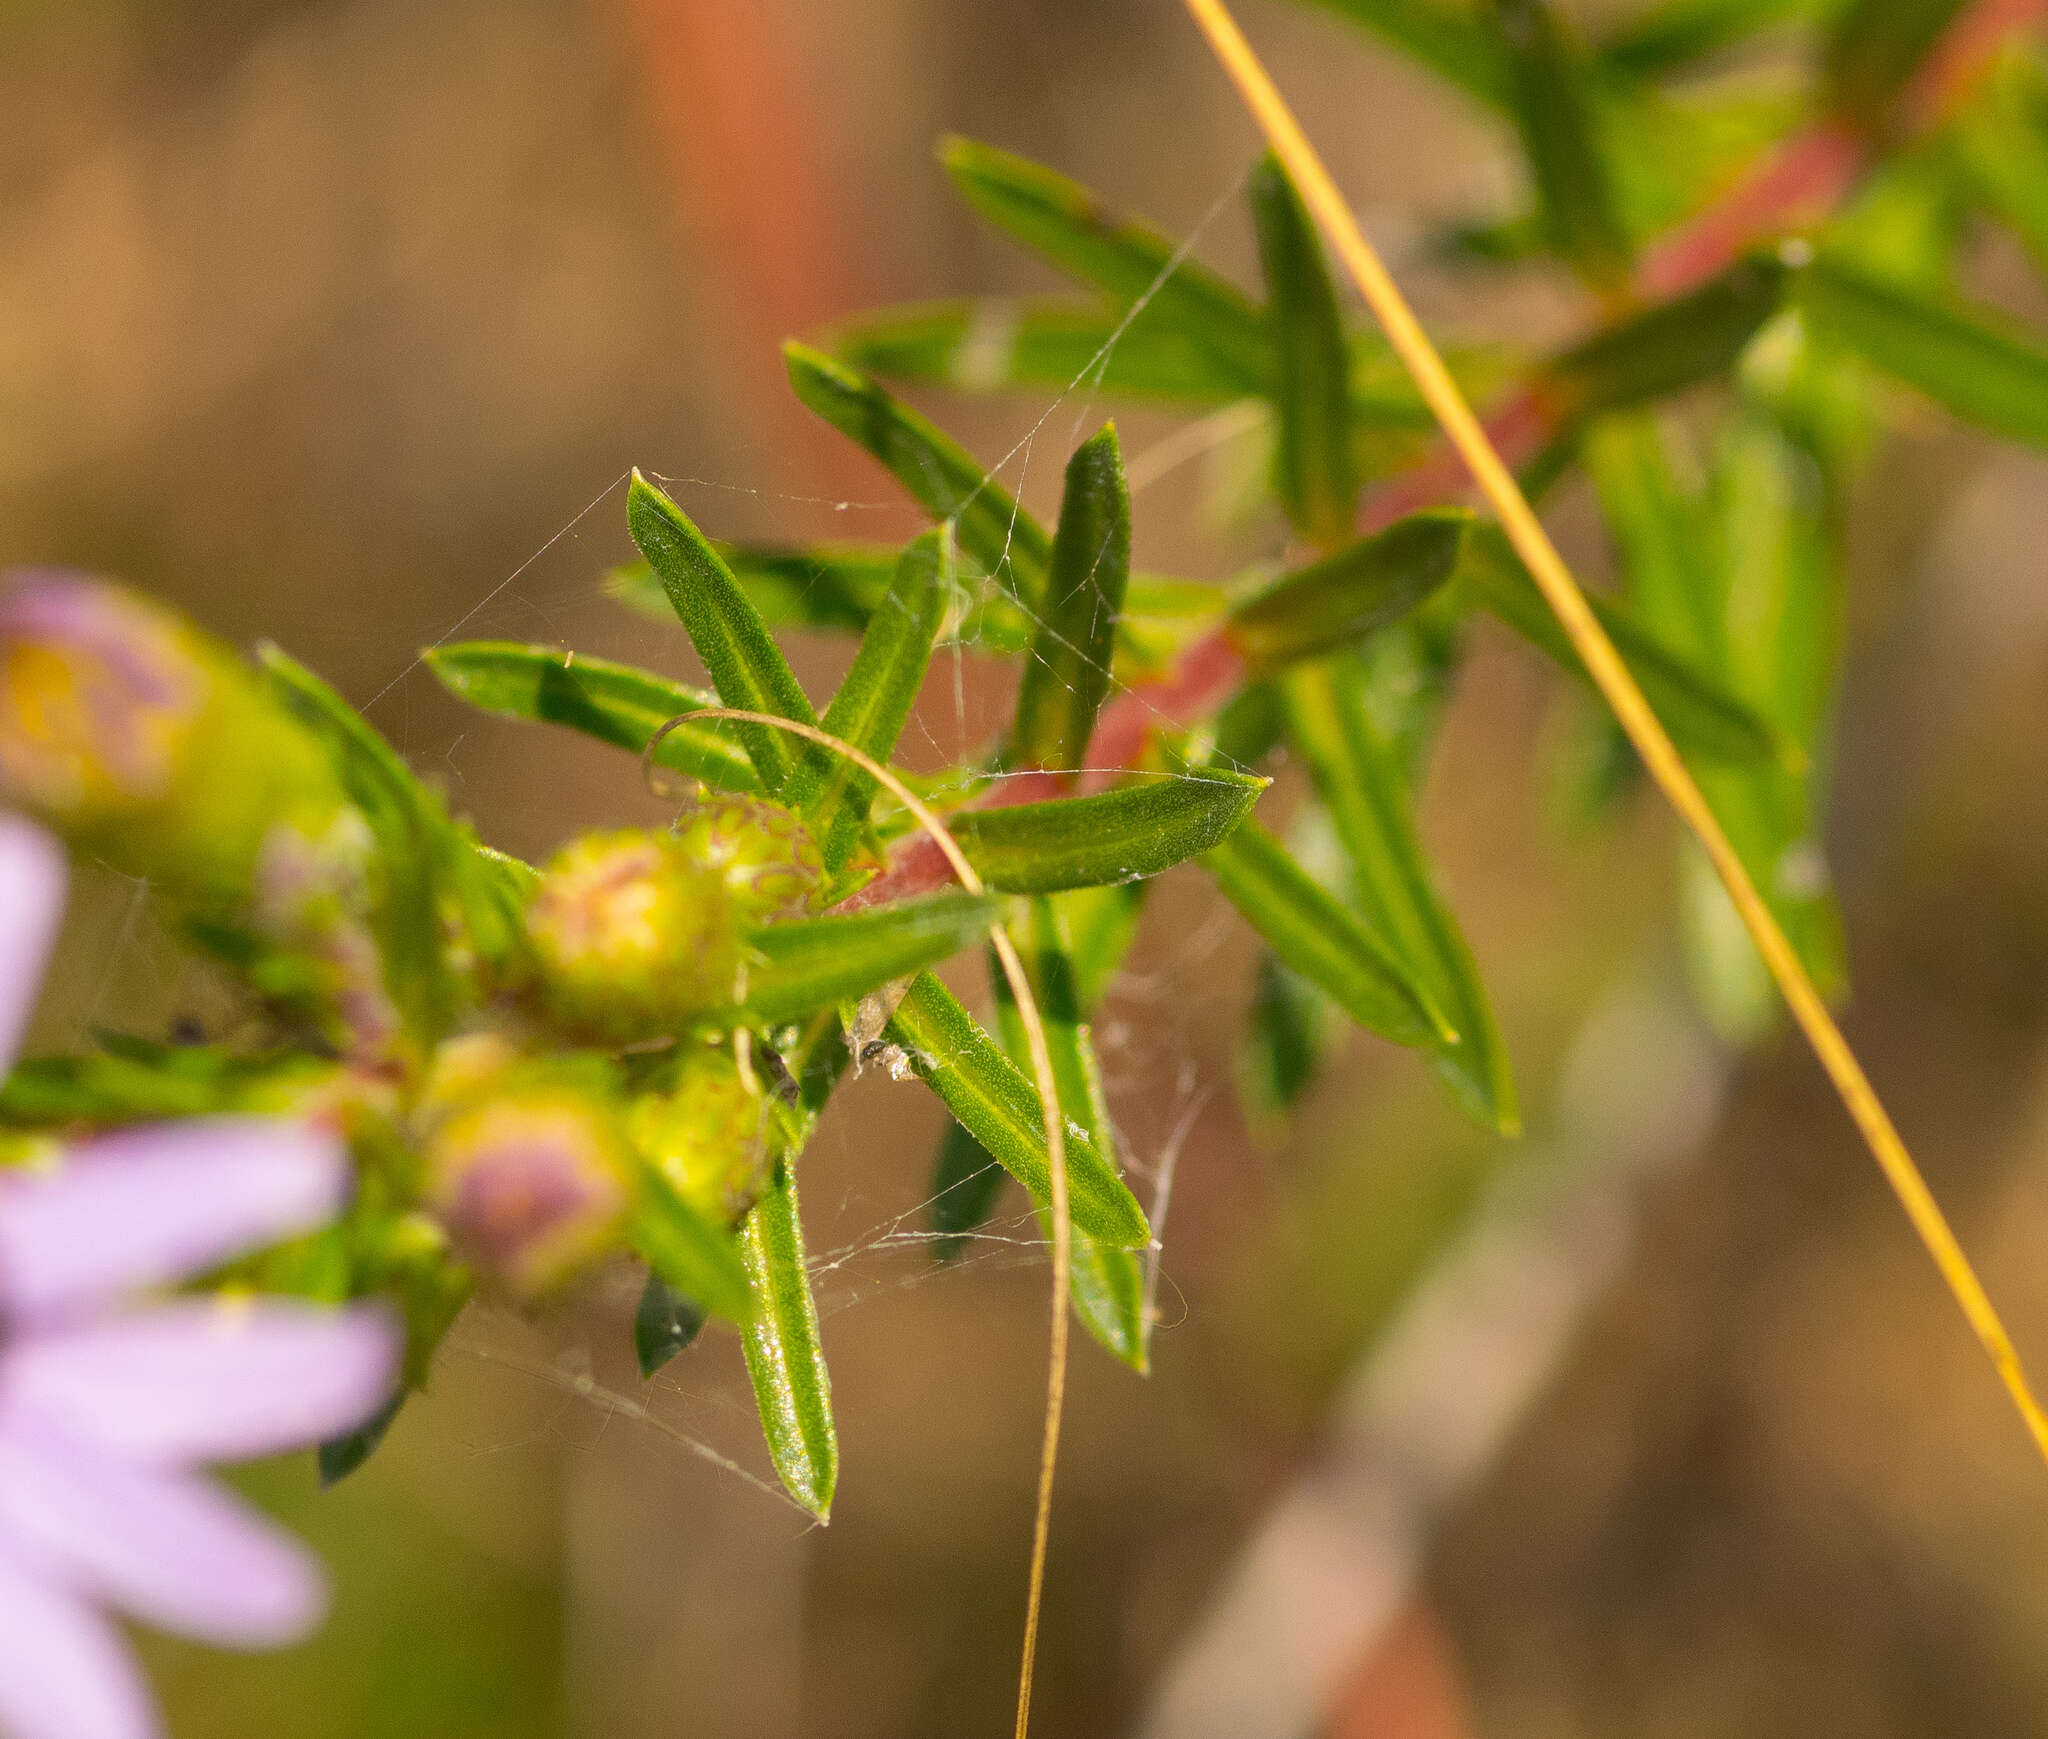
point(983, 1089)
point(1066, 674)
point(785, 1358)
point(746, 666)
point(799, 967)
point(832, 586)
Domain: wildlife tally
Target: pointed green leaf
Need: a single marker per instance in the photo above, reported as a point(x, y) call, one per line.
point(1703, 716)
point(1317, 479)
point(339, 1457)
point(1321, 940)
point(1361, 784)
point(950, 1052)
point(1066, 675)
point(1107, 1284)
point(785, 1358)
point(996, 344)
point(1065, 224)
point(1554, 112)
point(1344, 597)
point(1459, 42)
point(746, 666)
point(966, 1180)
point(1290, 1032)
point(826, 585)
point(998, 534)
point(1982, 368)
point(614, 703)
point(664, 1324)
point(687, 1250)
point(829, 791)
point(416, 843)
point(807, 964)
point(1140, 828)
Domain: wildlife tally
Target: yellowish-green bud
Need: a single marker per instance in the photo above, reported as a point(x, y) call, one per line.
point(766, 859)
point(634, 937)
point(707, 1134)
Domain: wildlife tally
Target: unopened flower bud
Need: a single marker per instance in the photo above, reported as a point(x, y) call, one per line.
point(634, 937)
point(529, 1178)
point(132, 733)
point(707, 1135)
point(769, 863)
point(312, 896)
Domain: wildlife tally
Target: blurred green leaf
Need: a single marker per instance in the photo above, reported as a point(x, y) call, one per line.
point(1675, 34)
point(1108, 1283)
point(1314, 469)
point(1139, 828)
point(1554, 112)
point(785, 1358)
point(664, 1323)
point(614, 703)
point(687, 1250)
point(1873, 48)
point(1361, 783)
point(416, 844)
point(338, 1457)
point(1313, 933)
point(1457, 39)
point(830, 792)
point(1971, 362)
point(2002, 140)
point(1290, 1030)
point(746, 666)
point(1066, 674)
point(966, 1181)
point(1348, 595)
point(1702, 715)
point(993, 344)
point(984, 1090)
point(827, 585)
point(1100, 925)
point(998, 534)
point(1070, 227)
point(799, 967)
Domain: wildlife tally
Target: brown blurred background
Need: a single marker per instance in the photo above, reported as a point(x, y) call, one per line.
point(340, 321)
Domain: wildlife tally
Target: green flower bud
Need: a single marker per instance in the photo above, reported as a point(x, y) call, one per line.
point(769, 863)
point(530, 1176)
point(312, 897)
point(707, 1135)
point(136, 736)
point(634, 936)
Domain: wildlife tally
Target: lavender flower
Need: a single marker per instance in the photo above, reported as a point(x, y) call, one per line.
point(105, 1410)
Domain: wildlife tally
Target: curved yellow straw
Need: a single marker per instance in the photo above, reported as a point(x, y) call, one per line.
point(1055, 1141)
point(1525, 531)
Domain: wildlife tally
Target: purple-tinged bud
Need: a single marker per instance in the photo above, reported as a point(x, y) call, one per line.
point(530, 1180)
point(133, 734)
point(312, 896)
point(707, 1135)
point(767, 860)
point(634, 937)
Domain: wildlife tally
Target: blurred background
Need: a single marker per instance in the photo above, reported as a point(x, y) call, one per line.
point(340, 321)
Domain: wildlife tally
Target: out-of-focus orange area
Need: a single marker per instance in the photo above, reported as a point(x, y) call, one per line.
point(340, 323)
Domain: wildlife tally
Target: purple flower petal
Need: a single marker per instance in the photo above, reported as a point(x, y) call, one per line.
point(31, 902)
point(64, 1671)
point(202, 1380)
point(150, 1205)
point(172, 1550)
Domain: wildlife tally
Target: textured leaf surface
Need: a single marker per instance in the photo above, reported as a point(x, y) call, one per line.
point(785, 1357)
point(1136, 829)
point(807, 964)
point(1355, 592)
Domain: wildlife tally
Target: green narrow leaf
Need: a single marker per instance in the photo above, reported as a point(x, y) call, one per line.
point(746, 666)
point(2002, 139)
point(1318, 481)
point(416, 843)
point(966, 1181)
point(1066, 674)
point(785, 1358)
point(1874, 48)
point(1344, 597)
point(687, 1250)
point(338, 1457)
point(998, 534)
point(1460, 42)
point(833, 586)
point(1071, 228)
point(1677, 33)
point(1703, 716)
point(831, 793)
point(1291, 1030)
point(1137, 829)
point(1100, 924)
point(1321, 940)
point(615, 703)
point(1981, 368)
point(664, 1324)
point(1360, 781)
point(998, 344)
point(1108, 1284)
point(807, 964)
point(950, 1052)
point(1554, 111)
